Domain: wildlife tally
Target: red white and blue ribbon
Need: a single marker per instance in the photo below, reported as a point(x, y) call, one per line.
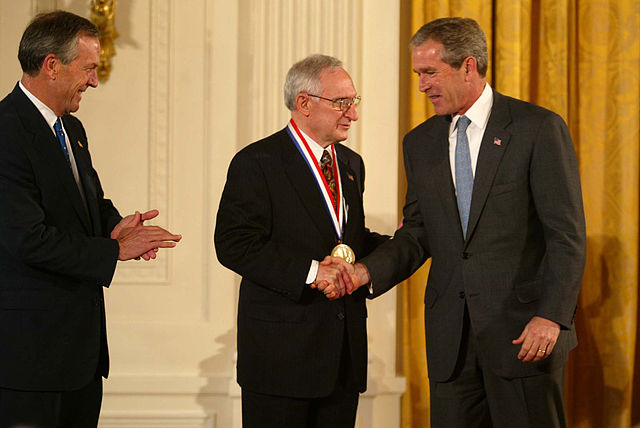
point(334, 208)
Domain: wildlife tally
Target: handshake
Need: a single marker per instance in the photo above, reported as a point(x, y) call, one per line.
point(336, 277)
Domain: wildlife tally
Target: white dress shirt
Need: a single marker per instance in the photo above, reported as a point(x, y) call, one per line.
point(478, 113)
point(317, 151)
point(50, 117)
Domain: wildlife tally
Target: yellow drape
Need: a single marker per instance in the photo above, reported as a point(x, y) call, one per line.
point(580, 59)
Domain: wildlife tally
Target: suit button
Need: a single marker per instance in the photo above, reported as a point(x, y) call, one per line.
point(466, 255)
point(340, 316)
point(461, 294)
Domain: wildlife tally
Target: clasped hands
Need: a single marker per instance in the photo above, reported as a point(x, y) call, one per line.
point(139, 241)
point(335, 277)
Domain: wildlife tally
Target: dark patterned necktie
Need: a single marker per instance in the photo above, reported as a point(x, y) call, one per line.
point(326, 164)
point(464, 173)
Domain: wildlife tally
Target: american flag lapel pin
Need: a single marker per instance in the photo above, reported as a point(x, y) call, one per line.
point(497, 141)
point(351, 177)
point(80, 144)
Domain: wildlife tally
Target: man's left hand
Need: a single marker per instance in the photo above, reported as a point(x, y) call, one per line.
point(537, 339)
point(133, 220)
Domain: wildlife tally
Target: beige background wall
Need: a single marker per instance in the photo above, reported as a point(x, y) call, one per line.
point(194, 81)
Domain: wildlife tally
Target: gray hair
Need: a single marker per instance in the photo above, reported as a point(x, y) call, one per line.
point(460, 38)
point(55, 33)
point(304, 76)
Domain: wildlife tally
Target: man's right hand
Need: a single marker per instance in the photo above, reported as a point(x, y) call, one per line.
point(353, 277)
point(330, 280)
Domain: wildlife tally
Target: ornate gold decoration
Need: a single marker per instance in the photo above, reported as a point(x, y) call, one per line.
point(103, 13)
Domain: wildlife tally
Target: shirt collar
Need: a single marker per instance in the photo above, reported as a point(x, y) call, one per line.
point(316, 148)
point(48, 114)
point(479, 112)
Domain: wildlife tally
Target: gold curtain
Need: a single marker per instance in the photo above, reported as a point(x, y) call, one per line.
point(581, 59)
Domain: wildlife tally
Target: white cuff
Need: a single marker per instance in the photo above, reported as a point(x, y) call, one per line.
point(313, 272)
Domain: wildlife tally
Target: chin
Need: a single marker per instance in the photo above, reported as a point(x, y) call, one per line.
point(442, 111)
point(342, 136)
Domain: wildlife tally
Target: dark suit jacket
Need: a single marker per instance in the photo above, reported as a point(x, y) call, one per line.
point(525, 250)
point(54, 255)
point(271, 223)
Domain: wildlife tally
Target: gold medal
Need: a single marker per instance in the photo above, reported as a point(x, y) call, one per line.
point(344, 252)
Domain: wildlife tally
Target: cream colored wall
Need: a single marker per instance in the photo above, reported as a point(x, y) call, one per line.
point(194, 81)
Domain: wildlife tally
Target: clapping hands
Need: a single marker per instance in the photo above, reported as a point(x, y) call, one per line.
point(139, 241)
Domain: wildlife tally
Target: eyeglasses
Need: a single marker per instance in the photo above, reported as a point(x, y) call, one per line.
point(342, 104)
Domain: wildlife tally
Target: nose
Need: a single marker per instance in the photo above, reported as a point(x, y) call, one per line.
point(423, 83)
point(352, 113)
point(93, 78)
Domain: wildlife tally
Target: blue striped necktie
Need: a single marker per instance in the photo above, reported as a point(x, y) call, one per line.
point(464, 173)
point(63, 143)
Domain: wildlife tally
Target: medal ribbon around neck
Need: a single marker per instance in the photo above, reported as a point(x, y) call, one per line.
point(335, 210)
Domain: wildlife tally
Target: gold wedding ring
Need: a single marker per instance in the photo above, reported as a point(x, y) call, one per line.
point(542, 350)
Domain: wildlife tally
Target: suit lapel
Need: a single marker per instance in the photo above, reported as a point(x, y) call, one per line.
point(489, 159)
point(83, 163)
point(48, 147)
point(306, 187)
point(438, 153)
point(351, 194)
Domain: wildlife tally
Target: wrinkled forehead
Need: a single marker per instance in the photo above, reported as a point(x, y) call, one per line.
point(337, 82)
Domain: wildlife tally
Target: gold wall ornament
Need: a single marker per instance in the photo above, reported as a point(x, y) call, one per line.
point(103, 14)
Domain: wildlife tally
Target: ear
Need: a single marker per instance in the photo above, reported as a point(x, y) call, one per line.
point(303, 104)
point(51, 66)
point(470, 66)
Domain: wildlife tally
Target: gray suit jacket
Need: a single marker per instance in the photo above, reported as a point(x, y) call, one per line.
point(525, 250)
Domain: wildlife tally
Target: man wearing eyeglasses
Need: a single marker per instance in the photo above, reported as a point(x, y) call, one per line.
point(289, 201)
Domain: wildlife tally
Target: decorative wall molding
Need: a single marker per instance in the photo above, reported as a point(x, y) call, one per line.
point(201, 389)
point(390, 385)
point(159, 418)
point(166, 384)
point(39, 6)
point(283, 32)
point(157, 273)
point(217, 385)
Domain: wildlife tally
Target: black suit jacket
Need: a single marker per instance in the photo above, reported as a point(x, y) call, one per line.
point(55, 255)
point(525, 250)
point(271, 223)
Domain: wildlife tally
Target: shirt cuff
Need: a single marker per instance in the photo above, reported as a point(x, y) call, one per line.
point(313, 272)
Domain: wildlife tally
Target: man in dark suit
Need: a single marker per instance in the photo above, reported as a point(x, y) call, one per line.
point(288, 201)
point(60, 237)
point(494, 199)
